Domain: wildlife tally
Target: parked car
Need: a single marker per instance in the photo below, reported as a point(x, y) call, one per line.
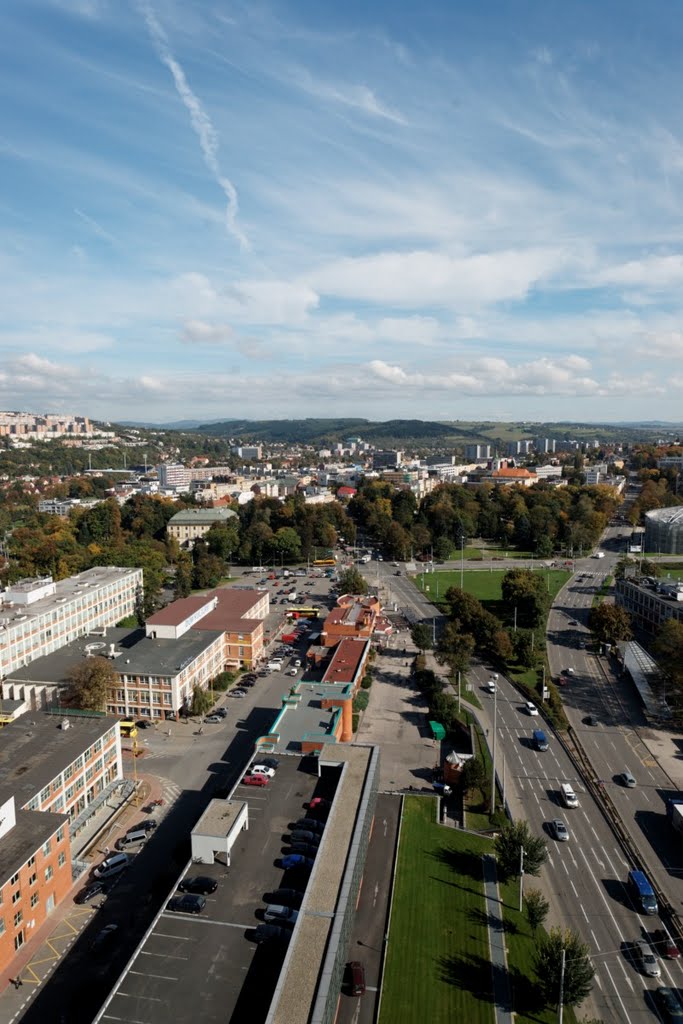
point(90, 892)
point(559, 830)
point(188, 903)
point(301, 835)
point(277, 913)
point(221, 712)
point(664, 944)
point(255, 780)
point(201, 884)
point(647, 960)
point(290, 897)
point(144, 723)
point(292, 671)
point(307, 849)
point(112, 866)
point(270, 762)
point(239, 692)
point(104, 939)
point(271, 933)
point(262, 769)
point(296, 860)
point(312, 824)
point(149, 824)
point(246, 683)
point(319, 804)
point(249, 676)
point(214, 719)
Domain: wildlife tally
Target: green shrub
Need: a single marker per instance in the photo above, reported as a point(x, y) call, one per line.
point(223, 680)
point(360, 701)
point(366, 681)
point(354, 722)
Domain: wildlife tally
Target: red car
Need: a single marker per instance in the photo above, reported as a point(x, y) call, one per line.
point(255, 780)
point(318, 803)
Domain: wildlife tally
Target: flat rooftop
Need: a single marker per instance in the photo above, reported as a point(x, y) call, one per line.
point(35, 749)
point(138, 655)
point(206, 968)
point(65, 591)
point(32, 830)
point(307, 719)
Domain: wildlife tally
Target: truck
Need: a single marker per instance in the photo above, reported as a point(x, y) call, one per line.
point(599, 554)
point(291, 596)
point(674, 812)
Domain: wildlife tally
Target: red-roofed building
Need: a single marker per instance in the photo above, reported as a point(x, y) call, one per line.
point(238, 613)
point(354, 618)
point(346, 492)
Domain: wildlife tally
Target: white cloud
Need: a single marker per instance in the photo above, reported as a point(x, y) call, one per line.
point(658, 273)
point(201, 332)
point(359, 97)
point(423, 278)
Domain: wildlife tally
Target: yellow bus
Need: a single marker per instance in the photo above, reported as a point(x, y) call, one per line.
point(303, 612)
point(320, 562)
point(128, 728)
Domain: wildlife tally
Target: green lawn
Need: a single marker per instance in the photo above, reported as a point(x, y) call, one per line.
point(484, 584)
point(437, 966)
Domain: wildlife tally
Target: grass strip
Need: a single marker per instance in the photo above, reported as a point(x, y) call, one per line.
point(437, 966)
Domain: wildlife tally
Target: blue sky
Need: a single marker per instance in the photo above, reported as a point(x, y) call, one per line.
point(441, 210)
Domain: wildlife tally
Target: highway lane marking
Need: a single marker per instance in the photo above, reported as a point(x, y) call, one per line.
point(574, 888)
point(583, 911)
point(616, 990)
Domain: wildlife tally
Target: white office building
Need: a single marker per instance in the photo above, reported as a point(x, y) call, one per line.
point(38, 616)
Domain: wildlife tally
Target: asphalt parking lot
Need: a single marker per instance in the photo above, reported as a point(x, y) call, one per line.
point(207, 967)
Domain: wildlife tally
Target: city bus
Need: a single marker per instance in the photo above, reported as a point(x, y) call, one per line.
point(303, 612)
point(320, 563)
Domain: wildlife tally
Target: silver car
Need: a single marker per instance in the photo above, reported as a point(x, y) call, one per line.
point(559, 830)
point(647, 959)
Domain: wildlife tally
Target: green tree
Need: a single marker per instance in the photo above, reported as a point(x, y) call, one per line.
point(422, 636)
point(454, 648)
point(668, 649)
point(578, 969)
point(183, 576)
point(89, 683)
point(523, 648)
point(473, 774)
point(287, 544)
point(202, 701)
point(513, 837)
point(537, 907)
point(610, 623)
point(352, 581)
point(223, 539)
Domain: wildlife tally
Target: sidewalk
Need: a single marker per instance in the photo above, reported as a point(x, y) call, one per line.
point(502, 1000)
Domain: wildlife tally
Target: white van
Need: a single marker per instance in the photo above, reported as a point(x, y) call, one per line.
point(113, 865)
point(569, 798)
point(274, 666)
point(138, 835)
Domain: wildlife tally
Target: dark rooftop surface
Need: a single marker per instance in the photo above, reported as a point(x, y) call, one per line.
point(35, 749)
point(33, 828)
point(139, 655)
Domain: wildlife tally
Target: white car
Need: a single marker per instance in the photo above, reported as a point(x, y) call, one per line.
point(262, 769)
point(491, 686)
point(531, 708)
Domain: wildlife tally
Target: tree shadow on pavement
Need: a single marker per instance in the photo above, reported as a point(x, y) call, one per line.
point(481, 917)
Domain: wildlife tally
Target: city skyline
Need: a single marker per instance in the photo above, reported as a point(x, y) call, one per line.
point(274, 210)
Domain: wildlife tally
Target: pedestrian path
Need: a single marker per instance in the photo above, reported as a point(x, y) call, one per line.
point(499, 967)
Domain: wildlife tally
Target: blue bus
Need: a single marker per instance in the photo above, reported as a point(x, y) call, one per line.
point(642, 893)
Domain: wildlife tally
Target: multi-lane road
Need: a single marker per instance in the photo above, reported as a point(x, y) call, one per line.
point(586, 876)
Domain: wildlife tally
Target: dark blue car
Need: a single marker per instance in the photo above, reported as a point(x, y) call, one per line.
point(296, 860)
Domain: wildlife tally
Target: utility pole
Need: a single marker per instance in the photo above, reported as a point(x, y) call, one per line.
point(493, 764)
point(560, 1008)
point(458, 691)
point(462, 562)
point(521, 877)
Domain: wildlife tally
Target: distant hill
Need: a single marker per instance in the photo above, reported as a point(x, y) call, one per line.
point(177, 425)
point(324, 431)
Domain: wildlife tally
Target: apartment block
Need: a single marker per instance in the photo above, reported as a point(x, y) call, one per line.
point(476, 452)
point(387, 459)
point(38, 616)
point(43, 426)
point(50, 777)
point(650, 603)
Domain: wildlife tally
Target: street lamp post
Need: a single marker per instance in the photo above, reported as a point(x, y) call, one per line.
point(493, 763)
point(462, 562)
